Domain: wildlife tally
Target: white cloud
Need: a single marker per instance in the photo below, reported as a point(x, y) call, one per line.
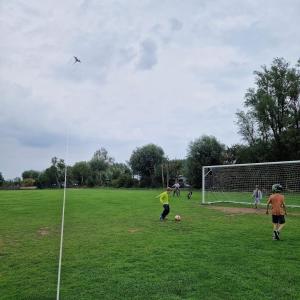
point(163, 72)
point(148, 55)
point(175, 24)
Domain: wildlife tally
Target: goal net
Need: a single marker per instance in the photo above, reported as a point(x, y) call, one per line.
point(236, 183)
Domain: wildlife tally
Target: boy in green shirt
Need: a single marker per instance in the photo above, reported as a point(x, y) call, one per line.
point(164, 199)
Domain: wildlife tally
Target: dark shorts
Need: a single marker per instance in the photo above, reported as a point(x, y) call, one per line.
point(278, 219)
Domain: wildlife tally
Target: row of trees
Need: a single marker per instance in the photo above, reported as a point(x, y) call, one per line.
point(269, 125)
point(101, 170)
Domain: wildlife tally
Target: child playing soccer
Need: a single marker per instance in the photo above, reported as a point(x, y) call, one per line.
point(257, 196)
point(164, 199)
point(278, 210)
point(176, 190)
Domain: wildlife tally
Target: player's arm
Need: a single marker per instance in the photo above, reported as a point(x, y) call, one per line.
point(284, 208)
point(158, 196)
point(268, 205)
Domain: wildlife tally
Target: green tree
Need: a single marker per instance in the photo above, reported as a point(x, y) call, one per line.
point(204, 151)
point(47, 178)
point(80, 172)
point(1, 179)
point(257, 152)
point(273, 111)
point(99, 165)
point(173, 169)
point(28, 182)
point(17, 181)
point(118, 169)
point(58, 168)
point(70, 177)
point(30, 174)
point(120, 175)
point(146, 161)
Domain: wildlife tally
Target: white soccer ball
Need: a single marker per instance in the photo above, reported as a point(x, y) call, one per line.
point(177, 218)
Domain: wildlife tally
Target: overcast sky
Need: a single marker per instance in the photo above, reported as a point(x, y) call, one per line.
point(163, 72)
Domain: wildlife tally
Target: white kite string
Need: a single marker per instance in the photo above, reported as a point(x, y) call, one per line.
point(62, 221)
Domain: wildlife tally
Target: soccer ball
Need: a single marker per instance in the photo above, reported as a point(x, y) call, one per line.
point(177, 218)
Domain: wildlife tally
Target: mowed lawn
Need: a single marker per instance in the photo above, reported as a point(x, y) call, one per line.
point(291, 199)
point(115, 247)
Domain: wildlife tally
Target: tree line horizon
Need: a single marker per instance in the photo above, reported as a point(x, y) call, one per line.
point(269, 126)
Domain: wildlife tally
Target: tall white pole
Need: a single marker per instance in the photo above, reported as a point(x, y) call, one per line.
point(62, 224)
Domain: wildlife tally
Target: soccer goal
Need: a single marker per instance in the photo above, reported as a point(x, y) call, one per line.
point(236, 183)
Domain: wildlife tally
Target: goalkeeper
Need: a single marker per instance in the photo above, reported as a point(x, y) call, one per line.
point(164, 199)
point(257, 196)
point(278, 210)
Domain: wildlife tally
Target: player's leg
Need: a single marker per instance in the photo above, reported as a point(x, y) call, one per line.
point(275, 221)
point(281, 223)
point(162, 215)
point(280, 227)
point(275, 231)
point(165, 211)
point(167, 208)
point(257, 203)
point(254, 204)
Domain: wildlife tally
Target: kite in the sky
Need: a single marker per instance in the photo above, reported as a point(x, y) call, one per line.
point(77, 60)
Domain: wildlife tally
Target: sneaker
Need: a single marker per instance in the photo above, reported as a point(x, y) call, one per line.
point(276, 235)
point(161, 218)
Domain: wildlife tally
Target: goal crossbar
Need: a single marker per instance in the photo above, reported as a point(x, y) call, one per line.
point(255, 164)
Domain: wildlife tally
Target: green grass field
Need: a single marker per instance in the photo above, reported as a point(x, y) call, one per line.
point(292, 199)
point(115, 247)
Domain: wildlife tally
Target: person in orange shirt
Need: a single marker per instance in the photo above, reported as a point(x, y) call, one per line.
point(276, 200)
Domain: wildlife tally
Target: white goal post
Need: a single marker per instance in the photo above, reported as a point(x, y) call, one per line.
point(236, 183)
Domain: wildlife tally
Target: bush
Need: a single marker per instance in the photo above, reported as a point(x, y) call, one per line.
point(90, 182)
point(145, 182)
point(115, 183)
point(125, 180)
point(136, 182)
point(28, 182)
